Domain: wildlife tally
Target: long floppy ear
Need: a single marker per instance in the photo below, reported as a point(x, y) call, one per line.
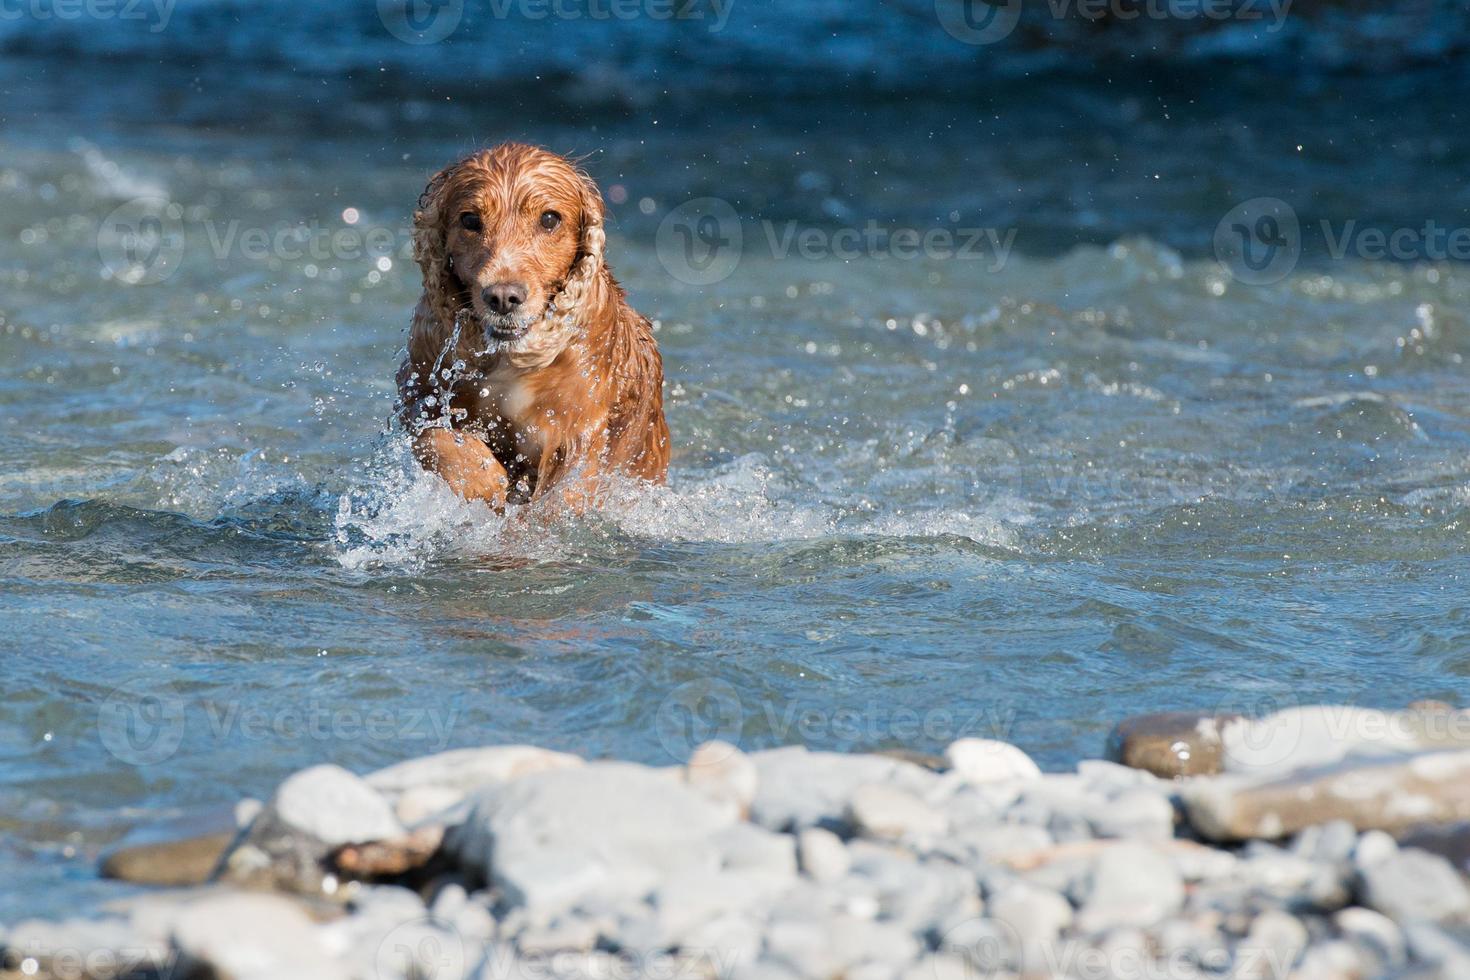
point(585, 274)
point(430, 248)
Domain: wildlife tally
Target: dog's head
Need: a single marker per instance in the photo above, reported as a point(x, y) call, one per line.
point(511, 236)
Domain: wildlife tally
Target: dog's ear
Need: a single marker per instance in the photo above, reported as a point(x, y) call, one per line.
point(593, 237)
point(430, 246)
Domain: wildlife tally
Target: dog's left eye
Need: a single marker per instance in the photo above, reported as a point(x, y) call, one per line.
point(550, 220)
point(471, 221)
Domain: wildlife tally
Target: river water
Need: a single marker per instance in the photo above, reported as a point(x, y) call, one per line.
point(1061, 466)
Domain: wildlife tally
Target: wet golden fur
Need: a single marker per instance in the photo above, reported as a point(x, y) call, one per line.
point(570, 388)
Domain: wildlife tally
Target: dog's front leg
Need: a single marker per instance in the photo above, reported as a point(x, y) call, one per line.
point(465, 463)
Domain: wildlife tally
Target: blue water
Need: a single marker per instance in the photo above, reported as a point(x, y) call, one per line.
point(1017, 496)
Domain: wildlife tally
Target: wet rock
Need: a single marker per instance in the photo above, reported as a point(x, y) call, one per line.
point(1414, 884)
point(552, 838)
point(247, 936)
point(1389, 795)
point(797, 788)
point(391, 857)
point(1131, 885)
point(1170, 744)
point(313, 812)
point(190, 861)
point(981, 760)
point(822, 854)
point(887, 812)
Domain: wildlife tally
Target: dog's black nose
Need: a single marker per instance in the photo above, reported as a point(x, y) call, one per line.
point(504, 297)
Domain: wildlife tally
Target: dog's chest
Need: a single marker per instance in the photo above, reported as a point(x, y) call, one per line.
point(507, 397)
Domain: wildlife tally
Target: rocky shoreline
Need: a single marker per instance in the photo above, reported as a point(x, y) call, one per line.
point(1311, 844)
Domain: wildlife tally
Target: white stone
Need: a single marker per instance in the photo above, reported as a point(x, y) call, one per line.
point(331, 805)
point(723, 773)
point(1314, 735)
point(607, 829)
point(982, 760)
point(1036, 916)
point(248, 936)
point(1374, 932)
point(746, 847)
point(1144, 814)
point(822, 854)
point(1271, 948)
point(462, 771)
point(889, 813)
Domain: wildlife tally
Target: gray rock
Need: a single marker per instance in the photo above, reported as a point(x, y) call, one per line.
point(1271, 948)
point(333, 806)
point(1372, 847)
point(1330, 842)
point(552, 838)
point(1385, 795)
point(1313, 736)
point(889, 813)
point(312, 813)
point(823, 855)
point(747, 847)
point(1131, 885)
point(1375, 935)
point(1139, 813)
point(1036, 917)
point(797, 788)
point(1414, 884)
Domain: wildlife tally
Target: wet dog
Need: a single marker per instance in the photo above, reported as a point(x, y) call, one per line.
point(527, 371)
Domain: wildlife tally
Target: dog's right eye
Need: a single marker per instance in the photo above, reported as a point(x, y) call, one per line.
point(471, 221)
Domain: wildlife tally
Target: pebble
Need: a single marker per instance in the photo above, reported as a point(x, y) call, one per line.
point(723, 773)
point(333, 806)
point(190, 861)
point(887, 812)
point(797, 788)
point(1139, 813)
point(981, 760)
point(1035, 917)
point(1131, 885)
point(248, 936)
point(1414, 884)
point(822, 854)
point(1374, 933)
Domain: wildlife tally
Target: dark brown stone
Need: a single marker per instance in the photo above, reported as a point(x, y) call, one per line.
point(189, 861)
point(1170, 744)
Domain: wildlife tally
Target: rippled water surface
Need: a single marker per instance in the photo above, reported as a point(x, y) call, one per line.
point(912, 499)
